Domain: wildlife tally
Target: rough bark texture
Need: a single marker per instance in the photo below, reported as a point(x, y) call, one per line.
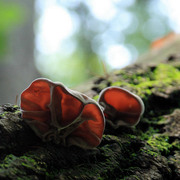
point(149, 151)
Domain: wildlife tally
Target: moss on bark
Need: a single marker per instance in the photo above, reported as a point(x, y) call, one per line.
point(151, 150)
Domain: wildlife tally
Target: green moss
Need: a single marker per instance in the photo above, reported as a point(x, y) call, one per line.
point(146, 135)
point(176, 144)
point(160, 144)
point(23, 166)
point(166, 73)
point(119, 83)
point(117, 156)
point(131, 136)
point(164, 76)
point(4, 114)
point(149, 151)
point(104, 166)
point(16, 106)
point(144, 83)
point(98, 170)
point(114, 149)
point(161, 120)
point(96, 97)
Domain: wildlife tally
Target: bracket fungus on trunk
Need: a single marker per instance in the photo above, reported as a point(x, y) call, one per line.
point(65, 116)
point(121, 107)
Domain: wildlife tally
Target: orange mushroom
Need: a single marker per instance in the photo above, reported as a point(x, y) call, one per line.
point(121, 107)
point(65, 116)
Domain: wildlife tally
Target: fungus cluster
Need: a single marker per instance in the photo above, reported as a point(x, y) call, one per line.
point(65, 116)
point(57, 113)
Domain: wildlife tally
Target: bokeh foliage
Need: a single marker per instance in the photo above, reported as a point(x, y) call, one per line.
point(11, 14)
point(93, 37)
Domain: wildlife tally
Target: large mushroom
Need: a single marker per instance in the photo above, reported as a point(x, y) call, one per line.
point(65, 116)
point(121, 107)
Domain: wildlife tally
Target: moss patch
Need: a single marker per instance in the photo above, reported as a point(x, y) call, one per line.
point(24, 167)
point(144, 83)
point(160, 144)
point(125, 153)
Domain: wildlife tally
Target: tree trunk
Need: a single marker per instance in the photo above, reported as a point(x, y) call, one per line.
point(17, 69)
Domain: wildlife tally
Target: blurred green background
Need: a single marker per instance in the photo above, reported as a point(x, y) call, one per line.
point(72, 40)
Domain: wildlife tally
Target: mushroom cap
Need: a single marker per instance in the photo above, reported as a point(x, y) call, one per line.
point(89, 133)
point(66, 116)
point(121, 107)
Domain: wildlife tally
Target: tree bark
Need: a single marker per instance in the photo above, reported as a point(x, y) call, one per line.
point(148, 151)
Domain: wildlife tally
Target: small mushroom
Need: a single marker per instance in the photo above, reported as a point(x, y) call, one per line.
point(121, 107)
point(65, 116)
